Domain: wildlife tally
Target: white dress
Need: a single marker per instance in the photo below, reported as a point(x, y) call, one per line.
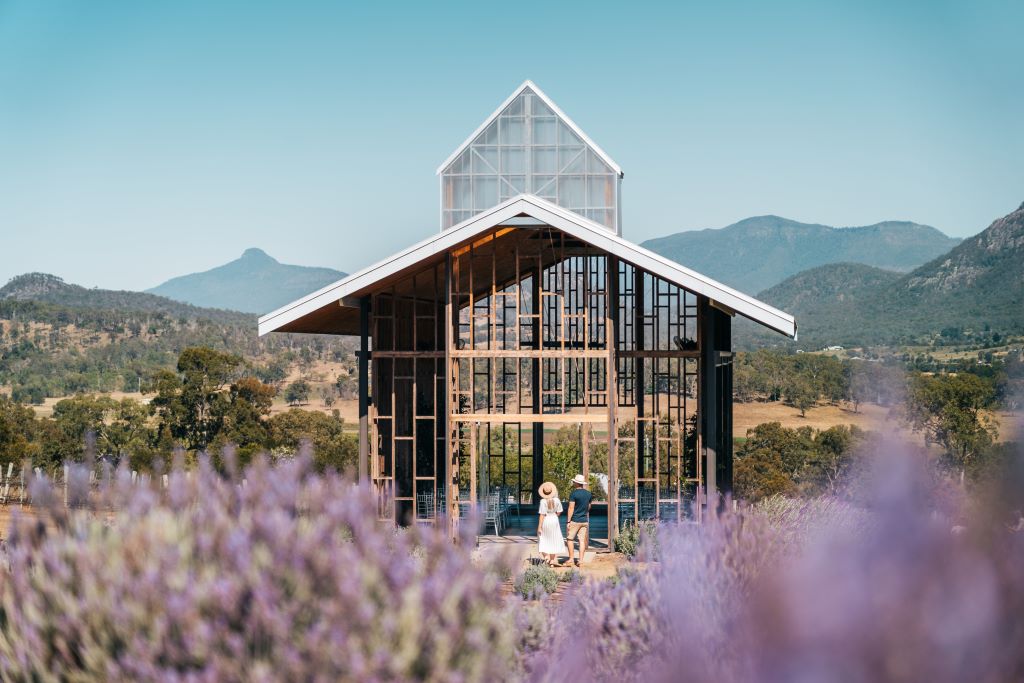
point(551, 540)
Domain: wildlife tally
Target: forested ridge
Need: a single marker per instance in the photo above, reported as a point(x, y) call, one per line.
point(58, 339)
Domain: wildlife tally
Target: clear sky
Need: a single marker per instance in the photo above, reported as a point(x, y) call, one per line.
point(143, 140)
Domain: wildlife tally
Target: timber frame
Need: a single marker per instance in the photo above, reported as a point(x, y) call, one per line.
point(526, 329)
point(529, 329)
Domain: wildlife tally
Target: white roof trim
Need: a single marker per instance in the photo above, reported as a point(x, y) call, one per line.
point(551, 105)
point(557, 217)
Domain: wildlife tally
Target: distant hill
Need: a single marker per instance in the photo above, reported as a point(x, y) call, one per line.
point(50, 289)
point(762, 251)
point(978, 285)
point(58, 339)
point(827, 288)
point(253, 283)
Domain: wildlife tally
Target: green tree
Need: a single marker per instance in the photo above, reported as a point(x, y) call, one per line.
point(333, 448)
point(297, 392)
point(801, 393)
point(192, 403)
point(74, 418)
point(127, 432)
point(954, 412)
point(834, 458)
point(563, 458)
point(244, 425)
point(19, 434)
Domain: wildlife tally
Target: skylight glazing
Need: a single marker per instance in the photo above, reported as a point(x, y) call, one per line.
point(528, 148)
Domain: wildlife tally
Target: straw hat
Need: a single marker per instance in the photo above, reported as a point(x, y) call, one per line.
point(548, 490)
point(578, 479)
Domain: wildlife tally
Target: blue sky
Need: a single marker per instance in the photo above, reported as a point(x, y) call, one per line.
point(143, 140)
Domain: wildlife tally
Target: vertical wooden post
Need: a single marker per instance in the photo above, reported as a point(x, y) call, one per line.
point(709, 401)
point(639, 378)
point(611, 341)
point(538, 406)
point(451, 386)
point(364, 389)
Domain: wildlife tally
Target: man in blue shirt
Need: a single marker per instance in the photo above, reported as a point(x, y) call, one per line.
point(579, 518)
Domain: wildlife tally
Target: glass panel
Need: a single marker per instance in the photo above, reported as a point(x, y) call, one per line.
point(538, 108)
point(595, 165)
point(513, 160)
point(462, 197)
point(514, 184)
point(485, 192)
point(517, 106)
point(545, 131)
point(485, 159)
point(511, 130)
point(461, 163)
point(543, 185)
point(571, 192)
point(489, 136)
point(514, 155)
point(570, 160)
point(566, 136)
point(600, 191)
point(544, 160)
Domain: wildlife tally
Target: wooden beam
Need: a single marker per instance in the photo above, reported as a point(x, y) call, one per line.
point(527, 418)
point(364, 389)
point(530, 353)
point(665, 353)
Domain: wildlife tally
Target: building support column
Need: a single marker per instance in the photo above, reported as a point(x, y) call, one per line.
point(451, 462)
point(364, 389)
point(611, 340)
point(708, 398)
point(535, 379)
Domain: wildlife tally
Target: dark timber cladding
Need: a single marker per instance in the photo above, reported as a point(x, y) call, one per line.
point(480, 353)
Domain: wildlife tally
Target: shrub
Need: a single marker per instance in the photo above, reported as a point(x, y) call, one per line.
point(635, 539)
point(536, 581)
point(289, 577)
point(571, 576)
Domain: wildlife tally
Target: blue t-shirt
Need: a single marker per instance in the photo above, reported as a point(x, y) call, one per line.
point(582, 498)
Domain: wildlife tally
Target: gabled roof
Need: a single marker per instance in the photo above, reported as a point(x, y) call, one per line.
point(310, 313)
point(528, 84)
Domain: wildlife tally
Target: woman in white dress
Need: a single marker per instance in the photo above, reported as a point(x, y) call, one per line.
point(549, 531)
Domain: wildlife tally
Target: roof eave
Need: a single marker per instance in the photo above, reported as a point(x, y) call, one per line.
point(342, 291)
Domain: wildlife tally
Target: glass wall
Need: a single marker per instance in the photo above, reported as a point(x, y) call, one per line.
point(529, 149)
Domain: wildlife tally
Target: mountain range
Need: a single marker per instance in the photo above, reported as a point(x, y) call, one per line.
point(977, 285)
point(857, 296)
point(759, 252)
point(50, 289)
point(253, 283)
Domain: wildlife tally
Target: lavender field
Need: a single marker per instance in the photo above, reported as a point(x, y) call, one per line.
point(289, 577)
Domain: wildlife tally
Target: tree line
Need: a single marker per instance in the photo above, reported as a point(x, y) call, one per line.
point(209, 400)
point(804, 379)
point(953, 413)
point(49, 350)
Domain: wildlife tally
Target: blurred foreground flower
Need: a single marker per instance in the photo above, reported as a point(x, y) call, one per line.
point(812, 591)
point(287, 577)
